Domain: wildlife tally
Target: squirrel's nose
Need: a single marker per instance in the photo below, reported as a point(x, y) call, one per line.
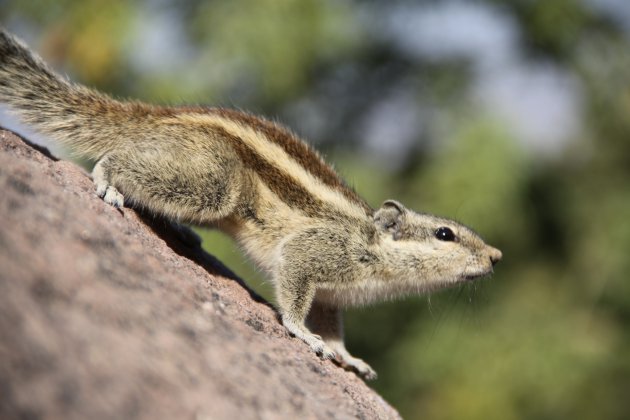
point(495, 255)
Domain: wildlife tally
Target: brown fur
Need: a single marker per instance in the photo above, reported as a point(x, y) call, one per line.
point(300, 151)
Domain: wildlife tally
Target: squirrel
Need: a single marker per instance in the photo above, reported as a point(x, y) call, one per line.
point(322, 246)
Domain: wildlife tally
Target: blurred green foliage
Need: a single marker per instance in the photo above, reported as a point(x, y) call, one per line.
point(548, 336)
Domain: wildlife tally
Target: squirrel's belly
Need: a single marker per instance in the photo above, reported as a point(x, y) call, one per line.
point(362, 292)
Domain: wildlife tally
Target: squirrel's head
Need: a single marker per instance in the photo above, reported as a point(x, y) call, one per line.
point(429, 251)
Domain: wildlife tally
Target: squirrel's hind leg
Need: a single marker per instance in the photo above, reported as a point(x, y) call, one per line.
point(184, 186)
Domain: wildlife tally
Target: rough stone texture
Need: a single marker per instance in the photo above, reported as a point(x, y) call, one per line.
point(105, 313)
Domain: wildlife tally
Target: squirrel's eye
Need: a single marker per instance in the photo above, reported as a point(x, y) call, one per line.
point(444, 234)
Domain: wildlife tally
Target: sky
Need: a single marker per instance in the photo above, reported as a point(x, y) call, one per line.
point(540, 102)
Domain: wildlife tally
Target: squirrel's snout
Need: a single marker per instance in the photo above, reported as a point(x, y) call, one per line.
point(495, 255)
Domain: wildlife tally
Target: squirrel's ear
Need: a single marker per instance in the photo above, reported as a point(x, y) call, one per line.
point(389, 216)
point(394, 204)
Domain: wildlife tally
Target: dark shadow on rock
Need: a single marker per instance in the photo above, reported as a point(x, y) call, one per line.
point(185, 242)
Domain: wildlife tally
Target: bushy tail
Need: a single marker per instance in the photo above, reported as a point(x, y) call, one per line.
point(89, 123)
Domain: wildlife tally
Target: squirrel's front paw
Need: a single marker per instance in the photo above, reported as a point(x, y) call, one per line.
point(321, 348)
point(356, 364)
point(362, 368)
point(314, 341)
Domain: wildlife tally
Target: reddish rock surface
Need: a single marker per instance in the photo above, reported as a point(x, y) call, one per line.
point(105, 313)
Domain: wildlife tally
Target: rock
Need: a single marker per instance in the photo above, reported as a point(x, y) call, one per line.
point(108, 313)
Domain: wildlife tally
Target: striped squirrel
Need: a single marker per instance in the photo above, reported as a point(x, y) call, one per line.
point(323, 247)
